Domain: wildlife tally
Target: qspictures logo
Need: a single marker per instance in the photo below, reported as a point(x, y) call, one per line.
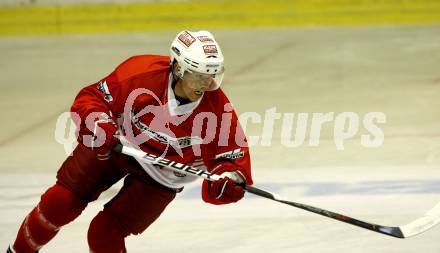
point(297, 129)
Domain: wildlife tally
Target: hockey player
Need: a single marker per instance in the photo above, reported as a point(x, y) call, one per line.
point(170, 106)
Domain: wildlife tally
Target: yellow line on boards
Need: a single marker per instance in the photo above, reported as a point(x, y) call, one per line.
point(158, 16)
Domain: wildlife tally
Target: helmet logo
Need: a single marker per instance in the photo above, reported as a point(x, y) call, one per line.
point(212, 65)
point(210, 49)
point(186, 38)
point(205, 39)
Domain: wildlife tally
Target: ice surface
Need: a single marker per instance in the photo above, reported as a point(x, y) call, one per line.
point(357, 69)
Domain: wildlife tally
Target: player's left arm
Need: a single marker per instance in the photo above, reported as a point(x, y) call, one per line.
point(232, 161)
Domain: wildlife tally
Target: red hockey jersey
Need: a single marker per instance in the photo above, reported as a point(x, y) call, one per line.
point(139, 96)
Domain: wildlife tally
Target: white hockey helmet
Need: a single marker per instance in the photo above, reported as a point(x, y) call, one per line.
point(198, 52)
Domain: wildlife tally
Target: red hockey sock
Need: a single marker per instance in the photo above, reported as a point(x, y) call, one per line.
point(58, 206)
point(104, 236)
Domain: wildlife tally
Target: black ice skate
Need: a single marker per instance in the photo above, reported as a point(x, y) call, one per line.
point(9, 250)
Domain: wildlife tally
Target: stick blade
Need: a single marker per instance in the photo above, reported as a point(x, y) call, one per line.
point(422, 224)
point(391, 231)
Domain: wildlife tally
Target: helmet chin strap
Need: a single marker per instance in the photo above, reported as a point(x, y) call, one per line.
point(180, 71)
point(176, 75)
point(177, 70)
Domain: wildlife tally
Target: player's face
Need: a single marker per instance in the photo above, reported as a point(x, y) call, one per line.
point(195, 84)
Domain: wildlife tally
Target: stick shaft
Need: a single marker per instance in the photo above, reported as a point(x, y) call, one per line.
point(169, 164)
point(391, 231)
point(416, 227)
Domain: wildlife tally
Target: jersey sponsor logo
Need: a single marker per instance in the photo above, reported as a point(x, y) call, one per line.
point(231, 155)
point(205, 39)
point(178, 174)
point(186, 38)
point(102, 86)
point(180, 142)
point(210, 49)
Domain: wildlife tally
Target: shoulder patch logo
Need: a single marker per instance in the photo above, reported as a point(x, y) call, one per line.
point(102, 86)
point(231, 155)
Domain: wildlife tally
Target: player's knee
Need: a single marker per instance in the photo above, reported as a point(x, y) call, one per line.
point(104, 235)
point(60, 205)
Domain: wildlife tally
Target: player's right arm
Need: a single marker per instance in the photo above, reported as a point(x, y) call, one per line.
point(96, 106)
point(99, 104)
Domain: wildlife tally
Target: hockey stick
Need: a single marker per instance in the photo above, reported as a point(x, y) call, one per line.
point(420, 225)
